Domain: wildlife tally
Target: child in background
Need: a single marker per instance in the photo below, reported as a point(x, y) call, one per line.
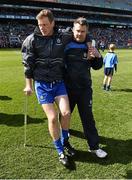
point(110, 63)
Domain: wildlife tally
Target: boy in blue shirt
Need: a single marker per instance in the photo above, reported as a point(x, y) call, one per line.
point(110, 63)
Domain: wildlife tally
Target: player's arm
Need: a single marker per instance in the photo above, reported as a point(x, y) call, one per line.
point(115, 66)
point(66, 36)
point(94, 56)
point(116, 61)
point(28, 90)
point(28, 57)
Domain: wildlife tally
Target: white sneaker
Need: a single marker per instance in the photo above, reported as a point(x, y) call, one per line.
point(99, 153)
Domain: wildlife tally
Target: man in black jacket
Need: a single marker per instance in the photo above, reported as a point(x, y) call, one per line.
point(43, 59)
point(78, 81)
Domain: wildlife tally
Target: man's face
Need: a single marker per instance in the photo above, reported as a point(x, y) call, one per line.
point(80, 32)
point(45, 26)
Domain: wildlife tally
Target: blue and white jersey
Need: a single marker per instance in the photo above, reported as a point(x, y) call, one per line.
point(110, 60)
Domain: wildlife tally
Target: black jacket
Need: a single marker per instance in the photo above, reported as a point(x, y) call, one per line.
point(43, 57)
point(77, 75)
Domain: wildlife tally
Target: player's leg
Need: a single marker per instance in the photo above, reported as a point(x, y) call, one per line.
point(105, 78)
point(72, 96)
point(44, 92)
point(63, 104)
point(54, 130)
point(109, 79)
point(85, 110)
point(88, 122)
point(53, 125)
point(105, 82)
point(109, 82)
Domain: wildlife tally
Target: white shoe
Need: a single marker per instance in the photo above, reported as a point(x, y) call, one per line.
point(99, 153)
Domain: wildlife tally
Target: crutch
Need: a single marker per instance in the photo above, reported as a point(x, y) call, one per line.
point(25, 119)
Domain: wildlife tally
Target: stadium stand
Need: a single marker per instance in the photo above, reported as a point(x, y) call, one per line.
point(109, 20)
point(111, 4)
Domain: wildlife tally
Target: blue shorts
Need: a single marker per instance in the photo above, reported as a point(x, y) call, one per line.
point(109, 71)
point(47, 92)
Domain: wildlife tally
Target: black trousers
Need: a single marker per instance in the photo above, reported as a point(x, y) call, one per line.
point(83, 99)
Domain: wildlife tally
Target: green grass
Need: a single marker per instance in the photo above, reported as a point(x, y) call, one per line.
point(38, 160)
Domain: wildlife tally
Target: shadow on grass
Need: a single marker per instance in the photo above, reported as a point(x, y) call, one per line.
point(38, 146)
point(119, 151)
point(71, 166)
point(129, 174)
point(18, 119)
point(123, 90)
point(5, 98)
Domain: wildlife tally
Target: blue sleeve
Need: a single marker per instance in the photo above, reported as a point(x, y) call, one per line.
point(115, 60)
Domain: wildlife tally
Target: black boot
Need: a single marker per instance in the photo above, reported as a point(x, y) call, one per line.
point(108, 88)
point(70, 150)
point(104, 87)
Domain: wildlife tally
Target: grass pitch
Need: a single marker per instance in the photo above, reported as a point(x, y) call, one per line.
point(38, 160)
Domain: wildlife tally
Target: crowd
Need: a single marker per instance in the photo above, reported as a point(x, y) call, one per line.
point(118, 36)
point(13, 34)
